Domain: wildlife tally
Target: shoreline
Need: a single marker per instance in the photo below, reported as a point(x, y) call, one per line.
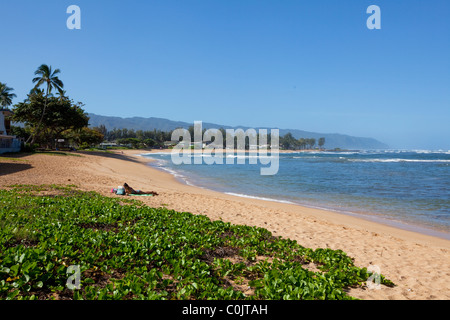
point(352, 216)
point(416, 263)
point(368, 216)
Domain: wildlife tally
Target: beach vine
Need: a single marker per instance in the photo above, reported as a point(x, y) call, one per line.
point(126, 250)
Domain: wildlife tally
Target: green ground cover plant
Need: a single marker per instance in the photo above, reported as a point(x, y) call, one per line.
point(127, 250)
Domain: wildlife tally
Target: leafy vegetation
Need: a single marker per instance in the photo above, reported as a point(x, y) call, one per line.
point(137, 139)
point(126, 250)
point(288, 142)
point(62, 118)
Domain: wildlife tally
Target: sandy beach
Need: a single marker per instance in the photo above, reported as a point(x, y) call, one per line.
point(419, 264)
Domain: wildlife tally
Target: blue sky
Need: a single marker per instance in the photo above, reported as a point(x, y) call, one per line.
point(310, 65)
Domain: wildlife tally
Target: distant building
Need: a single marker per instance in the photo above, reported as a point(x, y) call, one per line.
point(170, 144)
point(8, 143)
point(185, 144)
point(198, 145)
point(106, 145)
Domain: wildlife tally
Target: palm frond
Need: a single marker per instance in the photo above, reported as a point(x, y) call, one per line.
point(43, 69)
point(55, 72)
point(5, 95)
point(57, 82)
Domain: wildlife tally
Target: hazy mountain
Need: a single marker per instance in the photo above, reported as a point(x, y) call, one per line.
point(332, 140)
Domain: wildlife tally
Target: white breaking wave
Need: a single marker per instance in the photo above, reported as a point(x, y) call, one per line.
point(313, 157)
point(257, 198)
point(432, 151)
point(400, 160)
point(420, 151)
point(172, 172)
point(156, 153)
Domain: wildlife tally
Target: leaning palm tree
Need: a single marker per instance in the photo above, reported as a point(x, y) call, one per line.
point(48, 77)
point(5, 95)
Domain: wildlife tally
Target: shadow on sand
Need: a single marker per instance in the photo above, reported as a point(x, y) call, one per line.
point(113, 155)
point(13, 167)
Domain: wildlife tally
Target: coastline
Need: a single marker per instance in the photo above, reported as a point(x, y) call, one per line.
point(417, 263)
point(365, 215)
point(362, 217)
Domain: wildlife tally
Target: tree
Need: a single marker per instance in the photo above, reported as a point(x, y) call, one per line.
point(134, 142)
point(20, 132)
point(288, 141)
point(46, 76)
point(311, 142)
point(149, 143)
point(85, 137)
point(102, 129)
point(64, 116)
point(61, 115)
point(5, 95)
point(302, 143)
point(321, 142)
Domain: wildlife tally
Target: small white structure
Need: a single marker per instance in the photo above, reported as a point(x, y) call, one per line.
point(106, 145)
point(8, 143)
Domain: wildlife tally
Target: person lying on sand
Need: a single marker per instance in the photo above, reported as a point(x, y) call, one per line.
point(129, 190)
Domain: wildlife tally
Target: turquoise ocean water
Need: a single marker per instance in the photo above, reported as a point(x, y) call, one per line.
point(407, 189)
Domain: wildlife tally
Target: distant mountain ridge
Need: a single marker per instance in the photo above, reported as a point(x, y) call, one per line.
point(332, 140)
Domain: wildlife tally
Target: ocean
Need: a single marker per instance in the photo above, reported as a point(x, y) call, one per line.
point(403, 188)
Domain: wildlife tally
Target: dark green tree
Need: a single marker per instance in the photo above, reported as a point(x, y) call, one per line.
point(84, 137)
point(134, 142)
point(149, 143)
point(61, 115)
point(288, 142)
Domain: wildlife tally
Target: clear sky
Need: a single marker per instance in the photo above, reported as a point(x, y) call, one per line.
point(310, 65)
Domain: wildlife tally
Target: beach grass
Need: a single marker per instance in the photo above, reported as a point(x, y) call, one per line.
point(2, 158)
point(127, 250)
point(58, 153)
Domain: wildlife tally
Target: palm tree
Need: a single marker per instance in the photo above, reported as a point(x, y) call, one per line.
point(46, 76)
point(62, 95)
point(321, 142)
point(5, 95)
